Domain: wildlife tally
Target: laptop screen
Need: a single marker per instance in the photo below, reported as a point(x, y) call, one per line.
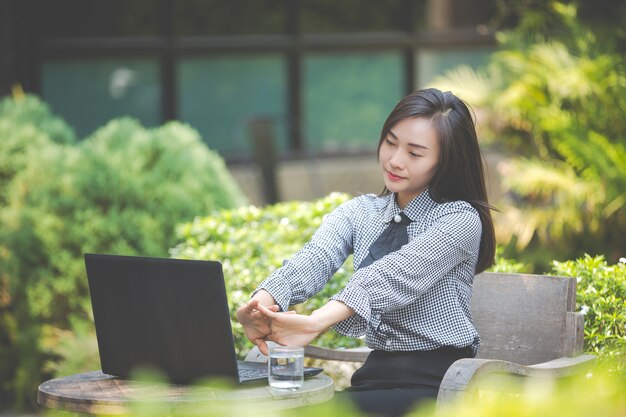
point(168, 314)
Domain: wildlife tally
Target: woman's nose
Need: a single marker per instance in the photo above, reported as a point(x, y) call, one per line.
point(395, 160)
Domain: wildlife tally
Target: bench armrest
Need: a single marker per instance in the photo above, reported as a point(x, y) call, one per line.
point(345, 355)
point(316, 352)
point(466, 376)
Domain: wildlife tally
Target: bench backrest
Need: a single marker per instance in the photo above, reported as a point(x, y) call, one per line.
point(526, 319)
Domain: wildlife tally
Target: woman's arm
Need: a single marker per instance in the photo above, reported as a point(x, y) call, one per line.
point(299, 329)
point(308, 271)
point(304, 275)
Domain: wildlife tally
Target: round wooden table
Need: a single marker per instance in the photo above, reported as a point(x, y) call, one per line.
point(98, 393)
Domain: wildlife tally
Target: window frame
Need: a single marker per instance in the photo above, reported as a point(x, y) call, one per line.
point(167, 49)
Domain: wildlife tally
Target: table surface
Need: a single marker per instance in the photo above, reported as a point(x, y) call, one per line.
point(98, 393)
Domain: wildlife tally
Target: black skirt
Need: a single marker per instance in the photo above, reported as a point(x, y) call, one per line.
point(392, 383)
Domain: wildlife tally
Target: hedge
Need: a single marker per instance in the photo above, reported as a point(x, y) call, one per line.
point(601, 297)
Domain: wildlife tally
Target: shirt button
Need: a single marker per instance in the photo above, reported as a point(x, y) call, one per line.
point(388, 342)
point(376, 316)
point(397, 218)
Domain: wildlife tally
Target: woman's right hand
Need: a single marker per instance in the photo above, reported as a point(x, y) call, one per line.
point(255, 324)
point(291, 329)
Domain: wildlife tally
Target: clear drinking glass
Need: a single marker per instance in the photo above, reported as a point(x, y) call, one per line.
point(286, 367)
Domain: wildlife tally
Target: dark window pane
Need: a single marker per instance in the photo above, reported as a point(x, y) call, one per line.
point(347, 98)
point(94, 18)
point(432, 63)
point(89, 93)
point(220, 95)
point(354, 16)
point(239, 17)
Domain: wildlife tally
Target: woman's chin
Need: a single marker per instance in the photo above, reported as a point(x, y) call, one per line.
point(392, 186)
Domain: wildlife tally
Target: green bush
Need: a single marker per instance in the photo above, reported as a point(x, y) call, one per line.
point(252, 242)
point(27, 129)
point(26, 125)
point(123, 190)
point(505, 265)
point(28, 110)
point(601, 296)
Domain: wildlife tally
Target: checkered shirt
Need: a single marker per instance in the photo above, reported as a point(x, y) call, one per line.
point(416, 298)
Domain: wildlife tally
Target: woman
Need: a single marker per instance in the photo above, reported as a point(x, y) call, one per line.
point(416, 247)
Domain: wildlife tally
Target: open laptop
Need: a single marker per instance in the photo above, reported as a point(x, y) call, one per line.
point(168, 314)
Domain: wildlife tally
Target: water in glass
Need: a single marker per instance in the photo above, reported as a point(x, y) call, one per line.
point(286, 367)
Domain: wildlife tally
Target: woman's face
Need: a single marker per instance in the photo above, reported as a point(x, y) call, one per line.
point(408, 157)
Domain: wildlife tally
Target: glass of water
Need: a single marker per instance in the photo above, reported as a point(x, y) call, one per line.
point(286, 367)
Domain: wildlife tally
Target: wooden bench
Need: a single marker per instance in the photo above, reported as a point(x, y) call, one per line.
point(528, 329)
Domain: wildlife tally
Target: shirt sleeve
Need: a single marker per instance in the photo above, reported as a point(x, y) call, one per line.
point(306, 273)
point(401, 277)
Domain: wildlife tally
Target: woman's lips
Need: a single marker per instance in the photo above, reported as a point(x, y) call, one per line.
point(393, 177)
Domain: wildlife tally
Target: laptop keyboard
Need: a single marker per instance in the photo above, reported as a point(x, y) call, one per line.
point(252, 373)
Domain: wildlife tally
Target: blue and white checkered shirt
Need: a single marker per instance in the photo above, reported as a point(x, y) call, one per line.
point(416, 298)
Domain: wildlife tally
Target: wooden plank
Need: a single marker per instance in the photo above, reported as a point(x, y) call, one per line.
point(346, 355)
point(521, 317)
point(467, 376)
point(574, 334)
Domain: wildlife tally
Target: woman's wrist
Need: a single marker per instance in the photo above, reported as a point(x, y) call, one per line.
point(331, 313)
point(264, 298)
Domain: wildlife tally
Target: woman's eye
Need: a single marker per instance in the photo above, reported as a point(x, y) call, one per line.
point(414, 155)
point(389, 142)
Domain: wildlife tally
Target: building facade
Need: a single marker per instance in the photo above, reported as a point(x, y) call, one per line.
point(303, 84)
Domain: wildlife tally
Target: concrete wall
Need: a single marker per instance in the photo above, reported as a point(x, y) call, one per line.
point(312, 179)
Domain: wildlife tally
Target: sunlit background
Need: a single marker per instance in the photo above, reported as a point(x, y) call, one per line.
point(126, 125)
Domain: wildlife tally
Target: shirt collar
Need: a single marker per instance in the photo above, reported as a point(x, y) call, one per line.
point(414, 210)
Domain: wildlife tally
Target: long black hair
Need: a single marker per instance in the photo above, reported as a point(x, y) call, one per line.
point(460, 173)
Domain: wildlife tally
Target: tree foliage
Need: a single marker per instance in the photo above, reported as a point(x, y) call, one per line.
point(123, 190)
point(555, 98)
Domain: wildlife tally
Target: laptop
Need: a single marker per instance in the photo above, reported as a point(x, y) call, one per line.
point(167, 314)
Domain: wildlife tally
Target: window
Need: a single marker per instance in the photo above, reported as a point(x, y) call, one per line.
point(432, 62)
point(87, 94)
point(220, 95)
point(347, 98)
point(326, 72)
